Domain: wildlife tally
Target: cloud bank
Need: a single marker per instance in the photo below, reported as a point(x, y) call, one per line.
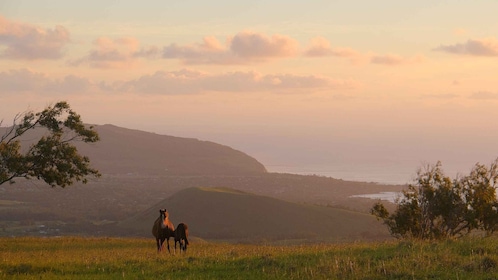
point(28, 81)
point(29, 42)
point(195, 82)
point(181, 82)
point(112, 53)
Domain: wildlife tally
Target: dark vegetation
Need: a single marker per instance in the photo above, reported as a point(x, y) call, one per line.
point(437, 207)
point(50, 157)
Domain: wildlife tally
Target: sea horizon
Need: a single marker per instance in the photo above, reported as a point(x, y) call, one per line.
point(389, 173)
point(356, 173)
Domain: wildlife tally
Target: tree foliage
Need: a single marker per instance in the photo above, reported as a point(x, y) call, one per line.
point(52, 158)
point(437, 207)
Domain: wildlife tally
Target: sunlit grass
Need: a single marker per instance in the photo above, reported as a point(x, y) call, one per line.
point(114, 258)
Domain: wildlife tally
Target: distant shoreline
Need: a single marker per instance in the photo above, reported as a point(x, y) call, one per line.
point(381, 173)
point(389, 173)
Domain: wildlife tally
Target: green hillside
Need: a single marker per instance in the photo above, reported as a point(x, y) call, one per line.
point(227, 214)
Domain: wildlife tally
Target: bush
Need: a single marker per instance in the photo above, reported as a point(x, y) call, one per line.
point(437, 207)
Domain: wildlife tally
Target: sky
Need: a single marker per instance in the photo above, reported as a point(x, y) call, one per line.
point(364, 90)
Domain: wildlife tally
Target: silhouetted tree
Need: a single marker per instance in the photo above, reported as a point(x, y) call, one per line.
point(479, 193)
point(438, 207)
point(52, 158)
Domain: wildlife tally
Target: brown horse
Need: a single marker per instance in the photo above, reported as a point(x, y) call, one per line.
point(163, 229)
point(181, 236)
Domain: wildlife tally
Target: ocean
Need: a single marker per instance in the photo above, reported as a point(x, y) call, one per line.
point(391, 173)
point(383, 174)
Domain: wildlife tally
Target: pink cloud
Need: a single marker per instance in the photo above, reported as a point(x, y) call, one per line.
point(28, 81)
point(26, 41)
point(244, 47)
point(181, 82)
point(320, 47)
point(256, 45)
point(194, 82)
point(389, 59)
point(210, 51)
point(115, 53)
point(166, 83)
point(22, 80)
point(478, 47)
point(253, 82)
point(148, 52)
point(394, 59)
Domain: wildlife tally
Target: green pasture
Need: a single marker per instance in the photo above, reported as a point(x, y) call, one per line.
point(116, 258)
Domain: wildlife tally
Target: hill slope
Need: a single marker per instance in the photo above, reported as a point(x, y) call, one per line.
point(227, 214)
point(142, 169)
point(123, 151)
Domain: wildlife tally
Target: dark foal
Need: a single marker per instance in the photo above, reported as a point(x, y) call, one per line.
point(181, 236)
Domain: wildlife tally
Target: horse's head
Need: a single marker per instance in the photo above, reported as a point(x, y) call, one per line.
point(163, 213)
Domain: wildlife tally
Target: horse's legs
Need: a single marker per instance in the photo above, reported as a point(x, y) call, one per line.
point(167, 241)
point(158, 243)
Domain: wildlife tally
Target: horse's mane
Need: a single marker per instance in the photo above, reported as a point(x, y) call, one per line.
point(166, 222)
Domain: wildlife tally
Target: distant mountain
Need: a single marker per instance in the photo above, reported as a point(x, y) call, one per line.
point(127, 151)
point(228, 214)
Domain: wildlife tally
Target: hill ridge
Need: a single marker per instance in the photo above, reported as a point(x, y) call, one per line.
point(225, 214)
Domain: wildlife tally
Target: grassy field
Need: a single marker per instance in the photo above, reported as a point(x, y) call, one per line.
point(115, 258)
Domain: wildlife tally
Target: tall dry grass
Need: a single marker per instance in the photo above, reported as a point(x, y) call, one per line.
point(114, 258)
